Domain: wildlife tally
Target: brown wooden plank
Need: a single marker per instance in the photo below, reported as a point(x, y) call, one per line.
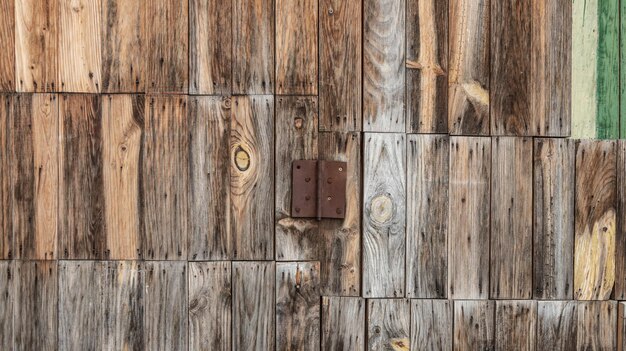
point(7, 38)
point(595, 220)
point(516, 325)
point(79, 50)
point(621, 326)
point(296, 139)
point(343, 323)
point(296, 47)
point(210, 306)
point(252, 177)
point(556, 325)
point(340, 55)
point(597, 325)
point(253, 46)
point(553, 197)
point(388, 324)
point(468, 256)
point(36, 45)
point(620, 245)
point(427, 216)
point(253, 306)
point(511, 266)
point(6, 217)
point(297, 306)
point(340, 255)
point(210, 237)
point(8, 295)
point(474, 325)
point(431, 325)
point(384, 215)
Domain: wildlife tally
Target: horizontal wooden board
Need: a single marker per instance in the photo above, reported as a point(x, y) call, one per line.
point(431, 324)
point(343, 323)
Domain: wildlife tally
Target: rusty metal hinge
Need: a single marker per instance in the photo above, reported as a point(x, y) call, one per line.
point(318, 189)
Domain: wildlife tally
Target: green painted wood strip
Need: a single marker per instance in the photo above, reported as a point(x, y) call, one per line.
point(607, 124)
point(623, 68)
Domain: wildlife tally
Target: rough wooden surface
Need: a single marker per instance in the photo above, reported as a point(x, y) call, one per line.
point(621, 326)
point(596, 325)
point(343, 323)
point(7, 296)
point(474, 325)
point(620, 242)
point(431, 325)
point(6, 217)
point(388, 324)
point(556, 325)
point(608, 70)
point(7, 38)
point(516, 325)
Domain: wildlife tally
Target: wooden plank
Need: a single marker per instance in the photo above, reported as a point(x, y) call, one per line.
point(340, 55)
point(621, 326)
point(297, 306)
point(620, 245)
point(595, 220)
point(384, 215)
point(295, 139)
point(6, 217)
point(343, 323)
point(253, 306)
point(210, 306)
point(210, 237)
point(596, 325)
point(468, 257)
point(388, 324)
point(427, 66)
point(608, 70)
point(384, 55)
point(474, 325)
point(340, 255)
point(36, 45)
point(296, 47)
point(79, 50)
point(511, 218)
point(8, 295)
point(427, 216)
point(468, 92)
point(553, 219)
point(253, 41)
point(7, 38)
point(556, 325)
point(516, 325)
point(210, 62)
point(166, 36)
point(165, 178)
point(252, 177)
point(431, 325)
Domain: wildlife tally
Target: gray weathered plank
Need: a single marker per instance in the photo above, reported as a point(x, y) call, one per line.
point(6, 217)
point(431, 325)
point(8, 296)
point(516, 325)
point(7, 38)
point(620, 244)
point(343, 323)
point(474, 325)
point(596, 325)
point(621, 326)
point(388, 324)
point(556, 325)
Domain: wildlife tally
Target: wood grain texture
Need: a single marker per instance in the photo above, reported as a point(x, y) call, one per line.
point(253, 46)
point(253, 289)
point(595, 220)
point(596, 325)
point(297, 306)
point(210, 43)
point(384, 55)
point(553, 219)
point(511, 244)
point(431, 325)
point(7, 38)
point(468, 80)
point(6, 217)
point(340, 250)
point(621, 326)
point(427, 66)
point(295, 139)
point(428, 158)
point(608, 70)
point(210, 237)
point(79, 48)
point(252, 177)
point(384, 215)
point(388, 324)
point(474, 325)
point(516, 325)
point(620, 243)
point(210, 306)
point(343, 323)
point(165, 178)
point(296, 47)
point(7, 301)
point(470, 178)
point(340, 66)
point(556, 325)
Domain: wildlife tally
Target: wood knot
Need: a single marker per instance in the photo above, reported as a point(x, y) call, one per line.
point(226, 103)
point(400, 344)
point(381, 209)
point(242, 159)
point(298, 122)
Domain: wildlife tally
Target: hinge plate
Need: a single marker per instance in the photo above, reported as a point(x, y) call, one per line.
point(318, 189)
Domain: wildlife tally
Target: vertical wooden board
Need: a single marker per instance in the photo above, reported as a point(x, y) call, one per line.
point(584, 68)
point(510, 88)
point(253, 289)
point(608, 70)
point(296, 139)
point(595, 220)
point(511, 243)
point(388, 324)
point(7, 38)
point(427, 216)
point(553, 219)
point(210, 306)
point(516, 325)
point(253, 41)
point(469, 211)
point(297, 306)
point(296, 47)
point(165, 178)
point(596, 325)
point(79, 48)
point(210, 237)
point(621, 326)
point(8, 295)
point(81, 198)
point(556, 325)
point(210, 42)
point(6, 217)
point(620, 246)
point(384, 55)
point(343, 323)
point(252, 177)
point(36, 45)
point(431, 325)
point(340, 255)
point(474, 325)
point(384, 215)
point(427, 66)
point(340, 55)
point(468, 81)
